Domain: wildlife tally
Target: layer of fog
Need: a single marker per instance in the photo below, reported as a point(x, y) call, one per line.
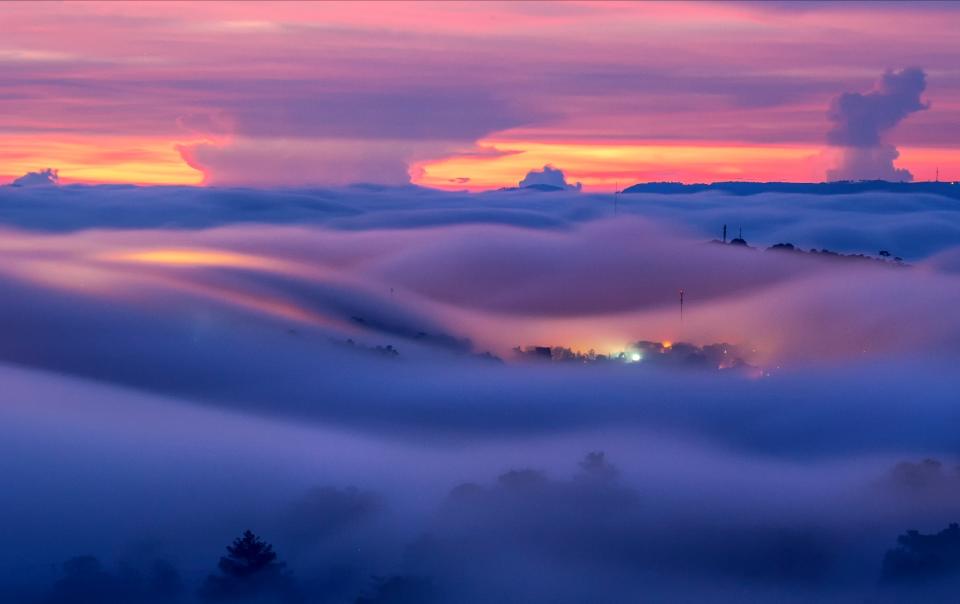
point(911, 226)
point(325, 385)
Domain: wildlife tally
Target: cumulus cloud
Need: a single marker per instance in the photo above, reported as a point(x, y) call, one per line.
point(47, 177)
point(860, 121)
point(869, 163)
point(280, 162)
point(548, 178)
point(308, 136)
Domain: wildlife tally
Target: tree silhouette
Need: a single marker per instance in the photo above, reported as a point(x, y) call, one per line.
point(250, 570)
point(247, 556)
point(922, 558)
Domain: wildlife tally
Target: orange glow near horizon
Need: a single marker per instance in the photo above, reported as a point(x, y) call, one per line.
point(600, 166)
point(604, 166)
point(97, 159)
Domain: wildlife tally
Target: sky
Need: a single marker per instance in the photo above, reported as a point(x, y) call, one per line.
point(474, 95)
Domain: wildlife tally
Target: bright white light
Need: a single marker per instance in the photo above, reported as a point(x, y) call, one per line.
point(635, 357)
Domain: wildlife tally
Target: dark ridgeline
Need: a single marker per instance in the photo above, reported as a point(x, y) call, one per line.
point(843, 187)
point(883, 256)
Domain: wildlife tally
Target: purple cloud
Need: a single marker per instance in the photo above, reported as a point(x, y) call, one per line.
point(47, 177)
point(548, 177)
point(861, 120)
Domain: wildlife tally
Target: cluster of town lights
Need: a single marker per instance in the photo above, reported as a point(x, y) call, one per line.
point(635, 356)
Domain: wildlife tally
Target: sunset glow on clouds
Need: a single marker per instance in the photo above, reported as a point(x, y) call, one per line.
point(298, 93)
point(605, 165)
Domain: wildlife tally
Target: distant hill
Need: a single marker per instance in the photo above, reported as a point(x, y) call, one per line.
point(946, 189)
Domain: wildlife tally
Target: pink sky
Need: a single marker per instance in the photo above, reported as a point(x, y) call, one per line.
point(459, 95)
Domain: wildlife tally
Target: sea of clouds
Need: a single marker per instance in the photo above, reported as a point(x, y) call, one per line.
point(334, 369)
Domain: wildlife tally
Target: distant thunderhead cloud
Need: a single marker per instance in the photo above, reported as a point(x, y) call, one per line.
point(549, 177)
point(40, 178)
point(860, 121)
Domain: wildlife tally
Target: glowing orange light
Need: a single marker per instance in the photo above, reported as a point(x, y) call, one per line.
point(193, 257)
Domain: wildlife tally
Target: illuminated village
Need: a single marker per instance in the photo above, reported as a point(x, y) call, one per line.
point(719, 357)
